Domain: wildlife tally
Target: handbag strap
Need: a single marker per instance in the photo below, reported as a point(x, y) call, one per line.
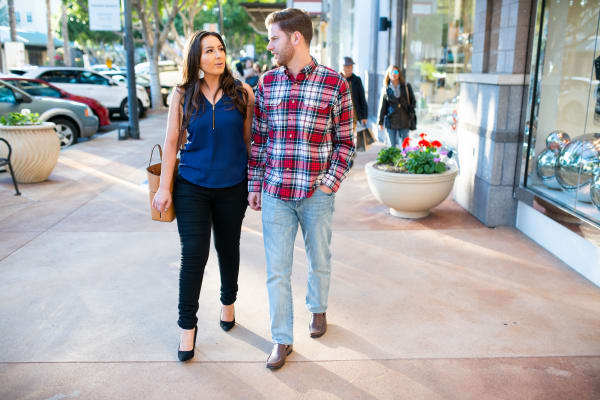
point(407, 96)
point(152, 153)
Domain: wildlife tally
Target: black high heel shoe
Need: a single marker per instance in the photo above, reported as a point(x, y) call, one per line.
point(189, 354)
point(226, 325)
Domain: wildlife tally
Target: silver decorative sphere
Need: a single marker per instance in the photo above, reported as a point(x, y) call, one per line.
point(546, 164)
point(578, 162)
point(557, 140)
point(595, 191)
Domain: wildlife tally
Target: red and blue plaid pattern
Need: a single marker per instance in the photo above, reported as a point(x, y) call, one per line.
point(301, 133)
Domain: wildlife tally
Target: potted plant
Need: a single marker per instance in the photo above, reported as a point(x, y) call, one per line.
point(35, 145)
point(412, 180)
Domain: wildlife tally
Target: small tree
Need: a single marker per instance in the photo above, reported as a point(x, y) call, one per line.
point(156, 21)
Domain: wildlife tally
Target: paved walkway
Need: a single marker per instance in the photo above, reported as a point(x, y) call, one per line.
point(441, 308)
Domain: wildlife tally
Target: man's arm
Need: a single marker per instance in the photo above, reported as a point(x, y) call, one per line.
point(343, 144)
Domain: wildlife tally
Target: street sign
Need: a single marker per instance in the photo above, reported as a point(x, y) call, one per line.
point(105, 15)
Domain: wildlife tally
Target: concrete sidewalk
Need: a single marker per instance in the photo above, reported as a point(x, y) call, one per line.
point(441, 308)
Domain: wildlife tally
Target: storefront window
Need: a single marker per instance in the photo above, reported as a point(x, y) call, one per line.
point(564, 147)
point(438, 48)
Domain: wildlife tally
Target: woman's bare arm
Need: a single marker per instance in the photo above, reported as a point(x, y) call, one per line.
point(248, 119)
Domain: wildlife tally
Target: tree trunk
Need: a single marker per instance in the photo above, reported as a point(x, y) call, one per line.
point(157, 101)
point(50, 46)
point(12, 21)
point(221, 32)
point(65, 36)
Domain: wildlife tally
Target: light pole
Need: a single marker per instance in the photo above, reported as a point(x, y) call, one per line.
point(134, 123)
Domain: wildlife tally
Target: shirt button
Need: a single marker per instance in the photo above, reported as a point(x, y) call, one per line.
point(293, 101)
point(287, 169)
point(290, 136)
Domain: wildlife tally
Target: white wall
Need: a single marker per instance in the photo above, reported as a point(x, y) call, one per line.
point(37, 8)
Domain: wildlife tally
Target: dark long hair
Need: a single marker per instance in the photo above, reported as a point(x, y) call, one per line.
point(191, 84)
point(386, 79)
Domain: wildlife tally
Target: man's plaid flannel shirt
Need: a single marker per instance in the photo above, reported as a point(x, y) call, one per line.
point(301, 133)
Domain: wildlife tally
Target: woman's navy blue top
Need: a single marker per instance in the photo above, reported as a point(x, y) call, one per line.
point(215, 153)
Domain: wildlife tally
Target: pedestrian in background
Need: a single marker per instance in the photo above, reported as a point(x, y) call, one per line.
point(301, 149)
point(359, 101)
point(397, 102)
point(210, 190)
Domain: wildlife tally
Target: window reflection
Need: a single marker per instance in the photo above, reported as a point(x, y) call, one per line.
point(565, 153)
point(439, 47)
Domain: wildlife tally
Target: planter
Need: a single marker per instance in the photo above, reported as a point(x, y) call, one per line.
point(410, 195)
point(35, 150)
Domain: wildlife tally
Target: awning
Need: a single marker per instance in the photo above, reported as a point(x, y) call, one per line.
point(30, 39)
point(258, 12)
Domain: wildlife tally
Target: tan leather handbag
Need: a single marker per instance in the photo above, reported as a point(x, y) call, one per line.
point(153, 171)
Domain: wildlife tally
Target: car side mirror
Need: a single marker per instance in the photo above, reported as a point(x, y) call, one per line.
point(22, 98)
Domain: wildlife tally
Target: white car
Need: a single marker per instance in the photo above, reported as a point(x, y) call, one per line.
point(169, 73)
point(84, 82)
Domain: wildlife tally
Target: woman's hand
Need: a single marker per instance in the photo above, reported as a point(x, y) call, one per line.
point(162, 200)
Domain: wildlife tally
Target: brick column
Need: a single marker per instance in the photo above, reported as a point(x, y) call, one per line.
point(490, 111)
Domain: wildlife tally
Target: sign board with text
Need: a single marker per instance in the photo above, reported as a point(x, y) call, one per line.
point(105, 15)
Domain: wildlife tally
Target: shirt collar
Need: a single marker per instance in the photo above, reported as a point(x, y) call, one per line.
point(304, 72)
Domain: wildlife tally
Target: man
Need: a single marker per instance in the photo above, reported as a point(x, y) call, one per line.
point(302, 144)
point(359, 101)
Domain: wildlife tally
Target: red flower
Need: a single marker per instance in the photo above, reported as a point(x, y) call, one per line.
point(435, 143)
point(423, 134)
point(406, 142)
point(424, 143)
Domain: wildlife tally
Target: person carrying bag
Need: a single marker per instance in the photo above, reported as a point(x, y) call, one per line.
point(397, 107)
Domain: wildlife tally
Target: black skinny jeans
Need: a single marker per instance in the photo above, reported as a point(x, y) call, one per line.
point(198, 209)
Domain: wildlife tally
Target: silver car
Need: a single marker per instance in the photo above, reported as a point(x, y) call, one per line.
point(73, 120)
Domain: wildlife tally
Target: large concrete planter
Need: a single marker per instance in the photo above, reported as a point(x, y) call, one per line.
point(35, 150)
point(409, 195)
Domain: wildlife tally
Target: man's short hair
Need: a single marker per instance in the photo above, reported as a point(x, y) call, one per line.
point(291, 20)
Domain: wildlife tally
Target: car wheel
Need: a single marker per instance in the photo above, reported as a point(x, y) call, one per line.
point(67, 131)
point(124, 109)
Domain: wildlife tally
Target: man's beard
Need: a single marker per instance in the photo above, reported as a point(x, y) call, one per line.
point(285, 55)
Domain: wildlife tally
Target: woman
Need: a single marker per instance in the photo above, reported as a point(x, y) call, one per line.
point(210, 189)
point(397, 100)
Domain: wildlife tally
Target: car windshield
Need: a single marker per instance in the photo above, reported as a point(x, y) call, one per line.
point(37, 88)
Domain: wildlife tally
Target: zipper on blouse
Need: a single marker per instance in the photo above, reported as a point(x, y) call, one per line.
point(213, 106)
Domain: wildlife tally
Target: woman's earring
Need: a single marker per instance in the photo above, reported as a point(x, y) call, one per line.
point(200, 74)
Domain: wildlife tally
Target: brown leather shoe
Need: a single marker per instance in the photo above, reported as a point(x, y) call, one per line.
point(318, 325)
point(278, 354)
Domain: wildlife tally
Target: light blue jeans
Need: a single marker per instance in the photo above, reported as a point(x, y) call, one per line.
point(280, 224)
point(396, 136)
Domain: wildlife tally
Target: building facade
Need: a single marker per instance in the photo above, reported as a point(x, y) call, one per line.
point(512, 86)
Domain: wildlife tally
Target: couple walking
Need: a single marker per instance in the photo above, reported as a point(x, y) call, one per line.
point(284, 152)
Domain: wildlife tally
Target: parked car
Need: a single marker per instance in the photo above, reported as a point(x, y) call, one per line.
point(37, 87)
point(22, 69)
point(104, 68)
point(83, 82)
point(73, 120)
point(142, 80)
point(169, 72)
